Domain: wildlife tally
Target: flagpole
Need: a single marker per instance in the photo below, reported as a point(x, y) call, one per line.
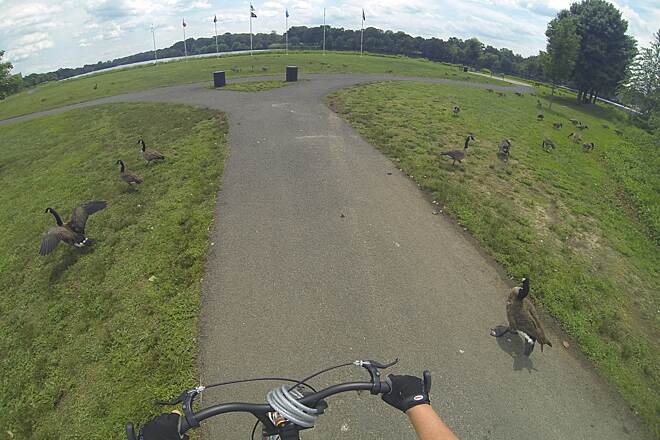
point(250, 30)
point(323, 31)
point(185, 50)
point(215, 26)
point(286, 34)
point(362, 33)
point(153, 36)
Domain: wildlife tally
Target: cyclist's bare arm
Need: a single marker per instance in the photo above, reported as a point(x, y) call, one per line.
point(428, 425)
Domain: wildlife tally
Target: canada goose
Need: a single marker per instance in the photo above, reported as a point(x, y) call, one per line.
point(540, 117)
point(504, 148)
point(456, 110)
point(489, 90)
point(574, 121)
point(519, 94)
point(458, 155)
point(523, 319)
point(589, 146)
point(581, 126)
point(548, 145)
point(127, 176)
point(73, 232)
point(575, 137)
point(557, 125)
point(149, 155)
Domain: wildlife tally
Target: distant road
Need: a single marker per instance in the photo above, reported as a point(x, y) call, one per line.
point(513, 81)
point(167, 60)
point(501, 78)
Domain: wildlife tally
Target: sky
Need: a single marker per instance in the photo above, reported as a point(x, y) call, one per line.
point(43, 35)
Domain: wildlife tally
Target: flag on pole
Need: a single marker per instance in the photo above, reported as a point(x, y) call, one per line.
point(252, 15)
point(286, 13)
point(362, 32)
point(215, 28)
point(185, 49)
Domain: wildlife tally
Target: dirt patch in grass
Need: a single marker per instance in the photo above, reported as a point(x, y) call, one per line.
point(255, 86)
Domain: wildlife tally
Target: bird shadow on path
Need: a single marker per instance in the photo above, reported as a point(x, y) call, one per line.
point(512, 344)
point(69, 258)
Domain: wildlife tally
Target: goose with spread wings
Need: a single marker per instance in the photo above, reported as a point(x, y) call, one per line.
point(72, 232)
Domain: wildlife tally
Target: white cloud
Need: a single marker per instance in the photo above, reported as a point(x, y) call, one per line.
point(15, 18)
point(111, 31)
point(28, 45)
point(84, 31)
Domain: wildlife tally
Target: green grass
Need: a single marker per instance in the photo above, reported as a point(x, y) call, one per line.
point(255, 86)
point(584, 225)
point(87, 340)
point(131, 79)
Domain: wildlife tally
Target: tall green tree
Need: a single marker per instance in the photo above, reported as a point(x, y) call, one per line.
point(562, 49)
point(6, 81)
point(473, 50)
point(642, 87)
point(605, 49)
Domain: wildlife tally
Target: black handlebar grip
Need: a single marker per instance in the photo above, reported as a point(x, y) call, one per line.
point(427, 381)
point(386, 386)
point(130, 431)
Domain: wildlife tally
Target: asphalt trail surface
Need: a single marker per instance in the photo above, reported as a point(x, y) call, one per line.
point(293, 286)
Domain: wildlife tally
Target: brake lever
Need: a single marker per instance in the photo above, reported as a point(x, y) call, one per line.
point(182, 397)
point(384, 366)
point(373, 368)
point(174, 401)
point(186, 398)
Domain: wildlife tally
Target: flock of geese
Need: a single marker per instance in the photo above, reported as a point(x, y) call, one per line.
point(73, 231)
point(504, 147)
point(521, 313)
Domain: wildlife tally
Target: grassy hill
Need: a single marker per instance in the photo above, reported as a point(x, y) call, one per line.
point(583, 224)
point(88, 338)
point(131, 79)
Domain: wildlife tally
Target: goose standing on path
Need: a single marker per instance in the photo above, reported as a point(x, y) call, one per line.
point(458, 155)
point(456, 110)
point(148, 154)
point(73, 232)
point(127, 176)
point(523, 319)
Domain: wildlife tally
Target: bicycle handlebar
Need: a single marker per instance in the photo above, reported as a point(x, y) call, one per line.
point(191, 419)
point(258, 409)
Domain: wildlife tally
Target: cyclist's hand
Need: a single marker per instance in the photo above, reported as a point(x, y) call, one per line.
point(407, 391)
point(162, 427)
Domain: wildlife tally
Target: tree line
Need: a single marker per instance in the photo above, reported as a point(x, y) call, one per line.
point(588, 49)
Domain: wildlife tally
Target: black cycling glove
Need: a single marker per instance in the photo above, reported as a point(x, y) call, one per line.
point(162, 427)
point(407, 391)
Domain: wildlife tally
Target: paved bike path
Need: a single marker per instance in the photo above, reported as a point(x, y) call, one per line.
point(291, 286)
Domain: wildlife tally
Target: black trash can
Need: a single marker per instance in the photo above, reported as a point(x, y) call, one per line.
point(291, 73)
point(465, 69)
point(219, 79)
